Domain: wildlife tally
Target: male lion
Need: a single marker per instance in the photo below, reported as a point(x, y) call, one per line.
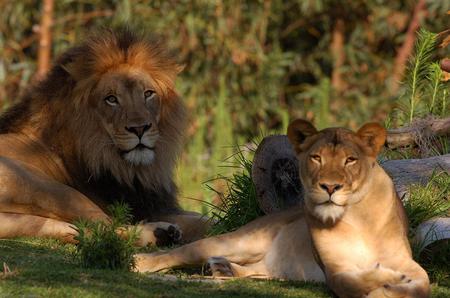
point(353, 225)
point(105, 124)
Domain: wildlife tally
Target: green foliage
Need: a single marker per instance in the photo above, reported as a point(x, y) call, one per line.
point(322, 92)
point(425, 92)
point(44, 268)
point(428, 201)
point(250, 65)
point(425, 96)
point(239, 204)
point(418, 71)
point(423, 203)
point(435, 259)
point(100, 245)
point(436, 88)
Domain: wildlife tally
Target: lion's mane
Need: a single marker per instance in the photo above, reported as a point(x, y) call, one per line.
point(56, 111)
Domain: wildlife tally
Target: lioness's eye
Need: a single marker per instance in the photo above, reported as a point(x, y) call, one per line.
point(350, 160)
point(316, 157)
point(111, 100)
point(149, 94)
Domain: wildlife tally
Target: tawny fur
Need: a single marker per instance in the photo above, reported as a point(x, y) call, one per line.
point(63, 144)
point(351, 232)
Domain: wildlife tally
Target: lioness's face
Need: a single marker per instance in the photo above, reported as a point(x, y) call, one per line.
point(335, 165)
point(129, 110)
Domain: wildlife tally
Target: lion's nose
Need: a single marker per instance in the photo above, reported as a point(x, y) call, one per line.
point(138, 130)
point(330, 188)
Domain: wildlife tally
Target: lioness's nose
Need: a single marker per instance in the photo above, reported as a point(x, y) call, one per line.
point(330, 188)
point(139, 130)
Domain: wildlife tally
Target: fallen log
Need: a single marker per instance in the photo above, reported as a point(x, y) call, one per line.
point(405, 172)
point(419, 130)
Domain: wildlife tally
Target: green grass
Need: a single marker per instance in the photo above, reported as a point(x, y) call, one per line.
point(46, 268)
point(426, 202)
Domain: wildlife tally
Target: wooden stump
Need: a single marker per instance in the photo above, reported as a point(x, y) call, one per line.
point(275, 175)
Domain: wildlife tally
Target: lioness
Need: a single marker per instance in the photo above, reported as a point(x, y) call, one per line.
point(353, 225)
point(105, 124)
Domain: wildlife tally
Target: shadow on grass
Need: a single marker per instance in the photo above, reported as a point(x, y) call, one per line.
point(46, 268)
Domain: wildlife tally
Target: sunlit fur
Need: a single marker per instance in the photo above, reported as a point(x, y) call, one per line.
point(68, 110)
point(356, 221)
point(334, 146)
point(359, 241)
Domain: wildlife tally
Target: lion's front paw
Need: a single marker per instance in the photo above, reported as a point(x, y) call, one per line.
point(168, 235)
point(159, 233)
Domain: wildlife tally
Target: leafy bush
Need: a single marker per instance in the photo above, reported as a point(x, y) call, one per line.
point(239, 204)
point(425, 91)
point(107, 245)
point(425, 97)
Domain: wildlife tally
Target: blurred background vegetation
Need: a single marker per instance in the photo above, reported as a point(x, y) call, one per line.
point(251, 66)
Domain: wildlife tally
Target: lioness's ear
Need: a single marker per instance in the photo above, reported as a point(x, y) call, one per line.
point(373, 135)
point(298, 131)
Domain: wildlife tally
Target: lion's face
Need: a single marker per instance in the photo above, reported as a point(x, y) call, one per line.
point(120, 109)
point(335, 165)
point(129, 109)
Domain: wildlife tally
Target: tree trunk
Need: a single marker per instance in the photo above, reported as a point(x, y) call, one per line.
point(45, 39)
point(407, 47)
point(338, 54)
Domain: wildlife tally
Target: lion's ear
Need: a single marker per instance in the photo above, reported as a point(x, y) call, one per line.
point(298, 131)
point(73, 69)
point(179, 68)
point(373, 135)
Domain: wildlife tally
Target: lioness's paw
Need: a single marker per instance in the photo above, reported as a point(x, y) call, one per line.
point(387, 275)
point(400, 290)
point(159, 233)
point(145, 262)
point(219, 267)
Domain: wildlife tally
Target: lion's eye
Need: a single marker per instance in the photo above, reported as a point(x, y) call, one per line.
point(149, 94)
point(350, 160)
point(111, 100)
point(316, 158)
